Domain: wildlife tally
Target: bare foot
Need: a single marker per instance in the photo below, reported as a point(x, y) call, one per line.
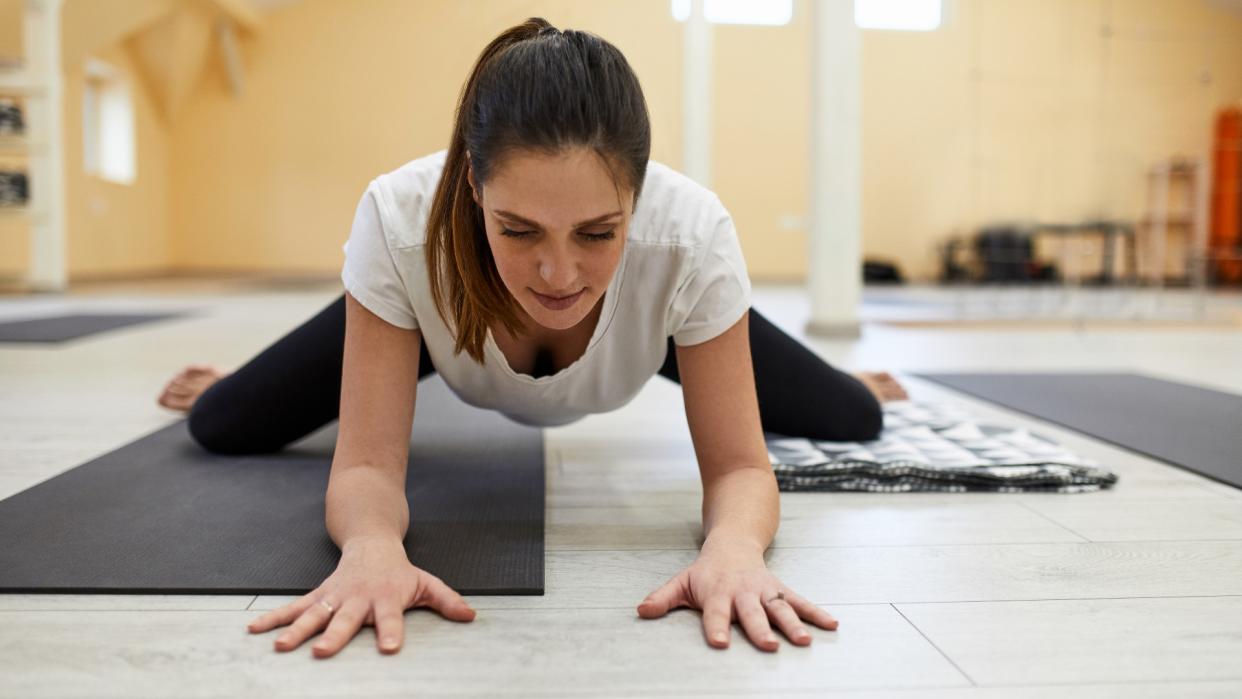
point(883, 385)
point(185, 388)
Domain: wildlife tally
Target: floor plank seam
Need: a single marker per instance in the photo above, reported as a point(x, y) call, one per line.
point(482, 605)
point(1057, 599)
point(933, 645)
point(1233, 494)
point(899, 546)
point(127, 610)
point(811, 691)
point(1106, 683)
point(1041, 514)
point(1160, 541)
point(775, 691)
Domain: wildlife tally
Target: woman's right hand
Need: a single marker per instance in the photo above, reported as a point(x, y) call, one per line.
point(374, 583)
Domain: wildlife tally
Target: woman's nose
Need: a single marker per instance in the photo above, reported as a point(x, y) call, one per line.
point(560, 278)
point(559, 270)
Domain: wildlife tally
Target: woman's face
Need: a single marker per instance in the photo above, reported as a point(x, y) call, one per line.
point(557, 227)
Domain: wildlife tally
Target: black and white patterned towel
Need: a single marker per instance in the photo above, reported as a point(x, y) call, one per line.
point(934, 447)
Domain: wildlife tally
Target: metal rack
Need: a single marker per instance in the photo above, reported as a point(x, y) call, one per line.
point(1189, 219)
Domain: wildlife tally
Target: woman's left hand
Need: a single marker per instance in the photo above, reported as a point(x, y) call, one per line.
point(734, 583)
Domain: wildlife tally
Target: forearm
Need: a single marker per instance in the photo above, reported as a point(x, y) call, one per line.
point(363, 502)
point(741, 510)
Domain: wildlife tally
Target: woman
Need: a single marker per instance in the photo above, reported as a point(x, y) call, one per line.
point(568, 269)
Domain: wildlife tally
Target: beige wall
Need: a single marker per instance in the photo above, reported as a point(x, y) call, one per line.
point(271, 180)
point(11, 29)
point(1034, 109)
point(114, 228)
point(1048, 109)
point(760, 127)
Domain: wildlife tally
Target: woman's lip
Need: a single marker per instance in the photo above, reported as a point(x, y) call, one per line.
point(560, 304)
point(559, 298)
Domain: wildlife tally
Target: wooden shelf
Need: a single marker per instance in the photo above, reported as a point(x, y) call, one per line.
point(1176, 221)
point(23, 86)
point(1175, 224)
point(1173, 174)
point(7, 212)
point(19, 144)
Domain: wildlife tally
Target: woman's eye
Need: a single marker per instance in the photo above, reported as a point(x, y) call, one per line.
point(607, 235)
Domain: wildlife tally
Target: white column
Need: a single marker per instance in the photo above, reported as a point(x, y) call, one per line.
point(696, 122)
point(48, 266)
point(834, 277)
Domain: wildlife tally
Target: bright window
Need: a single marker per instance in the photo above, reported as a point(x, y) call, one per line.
point(904, 15)
point(770, 12)
point(107, 124)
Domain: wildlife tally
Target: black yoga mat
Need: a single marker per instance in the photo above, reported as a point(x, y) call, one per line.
point(161, 515)
point(1195, 428)
point(70, 327)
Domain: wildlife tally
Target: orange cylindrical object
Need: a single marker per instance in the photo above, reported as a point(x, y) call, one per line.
point(1226, 229)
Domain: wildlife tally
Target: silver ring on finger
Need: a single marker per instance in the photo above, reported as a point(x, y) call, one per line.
point(327, 606)
point(779, 596)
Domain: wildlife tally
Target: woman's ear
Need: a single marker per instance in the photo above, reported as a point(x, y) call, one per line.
point(474, 187)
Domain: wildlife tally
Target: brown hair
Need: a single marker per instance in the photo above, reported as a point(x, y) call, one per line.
point(534, 87)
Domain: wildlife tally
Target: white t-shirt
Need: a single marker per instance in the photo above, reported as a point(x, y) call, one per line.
point(681, 274)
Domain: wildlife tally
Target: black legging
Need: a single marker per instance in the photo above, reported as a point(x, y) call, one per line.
point(294, 387)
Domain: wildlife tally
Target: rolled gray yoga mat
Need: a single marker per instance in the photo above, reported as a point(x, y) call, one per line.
point(1195, 428)
point(161, 515)
point(70, 327)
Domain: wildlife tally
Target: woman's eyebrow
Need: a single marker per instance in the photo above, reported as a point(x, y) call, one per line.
point(520, 219)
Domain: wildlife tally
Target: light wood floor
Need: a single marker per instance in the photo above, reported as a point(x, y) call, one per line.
point(1133, 592)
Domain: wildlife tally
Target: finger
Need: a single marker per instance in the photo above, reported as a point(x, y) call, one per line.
point(389, 624)
point(755, 621)
point(444, 599)
point(671, 595)
point(717, 615)
point(344, 625)
point(810, 611)
point(282, 616)
point(310, 621)
point(787, 620)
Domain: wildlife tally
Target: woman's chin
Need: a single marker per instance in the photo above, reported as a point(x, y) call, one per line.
point(558, 320)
